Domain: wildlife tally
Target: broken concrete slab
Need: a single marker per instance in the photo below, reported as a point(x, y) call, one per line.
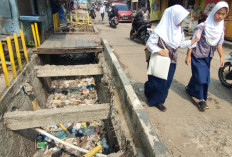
point(72, 70)
point(29, 119)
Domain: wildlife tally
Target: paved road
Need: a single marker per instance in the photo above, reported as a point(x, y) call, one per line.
point(184, 130)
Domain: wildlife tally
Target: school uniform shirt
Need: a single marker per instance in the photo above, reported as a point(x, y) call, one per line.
point(102, 9)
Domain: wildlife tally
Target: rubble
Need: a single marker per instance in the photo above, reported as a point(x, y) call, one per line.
point(80, 91)
point(86, 135)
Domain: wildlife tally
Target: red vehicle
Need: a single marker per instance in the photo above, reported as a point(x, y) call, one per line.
point(124, 14)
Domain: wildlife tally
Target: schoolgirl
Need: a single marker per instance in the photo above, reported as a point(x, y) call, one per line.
point(170, 32)
point(201, 53)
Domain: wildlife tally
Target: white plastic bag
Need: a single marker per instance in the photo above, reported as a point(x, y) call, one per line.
point(159, 66)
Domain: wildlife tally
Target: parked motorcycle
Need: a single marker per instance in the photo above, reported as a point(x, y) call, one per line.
point(92, 13)
point(113, 22)
point(225, 72)
point(142, 34)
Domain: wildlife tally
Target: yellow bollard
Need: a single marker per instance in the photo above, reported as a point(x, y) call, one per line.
point(37, 33)
point(33, 32)
point(18, 52)
point(94, 151)
point(71, 18)
point(11, 57)
point(64, 128)
point(88, 18)
point(24, 46)
point(4, 67)
point(56, 21)
point(76, 19)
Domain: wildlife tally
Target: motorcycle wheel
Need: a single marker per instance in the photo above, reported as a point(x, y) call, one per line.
point(131, 34)
point(222, 74)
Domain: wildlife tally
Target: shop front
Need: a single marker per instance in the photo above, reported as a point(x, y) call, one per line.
point(199, 10)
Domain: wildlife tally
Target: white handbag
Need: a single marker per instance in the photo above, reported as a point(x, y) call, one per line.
point(159, 65)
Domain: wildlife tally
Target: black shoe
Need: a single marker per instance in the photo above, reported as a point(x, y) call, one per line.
point(205, 106)
point(161, 107)
point(202, 106)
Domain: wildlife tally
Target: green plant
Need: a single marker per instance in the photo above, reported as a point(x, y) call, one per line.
point(30, 43)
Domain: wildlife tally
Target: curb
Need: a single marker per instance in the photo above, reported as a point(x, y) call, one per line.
point(132, 107)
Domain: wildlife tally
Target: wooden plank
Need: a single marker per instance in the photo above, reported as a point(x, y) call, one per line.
point(29, 119)
point(45, 44)
point(68, 50)
point(73, 70)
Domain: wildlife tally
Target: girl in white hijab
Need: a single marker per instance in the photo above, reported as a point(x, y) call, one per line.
point(170, 32)
point(201, 53)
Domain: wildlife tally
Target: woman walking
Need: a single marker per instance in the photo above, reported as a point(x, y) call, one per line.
point(201, 53)
point(170, 32)
point(102, 11)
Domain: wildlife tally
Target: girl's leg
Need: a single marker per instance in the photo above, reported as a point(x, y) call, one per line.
point(156, 89)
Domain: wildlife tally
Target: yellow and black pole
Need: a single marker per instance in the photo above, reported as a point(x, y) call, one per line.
point(4, 67)
point(24, 45)
point(37, 33)
point(8, 40)
point(34, 36)
point(18, 52)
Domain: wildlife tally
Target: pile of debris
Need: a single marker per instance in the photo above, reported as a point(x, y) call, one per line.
point(81, 91)
point(85, 135)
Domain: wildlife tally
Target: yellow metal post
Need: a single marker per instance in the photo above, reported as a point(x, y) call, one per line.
point(18, 52)
point(24, 46)
point(11, 57)
point(4, 67)
point(88, 18)
point(71, 18)
point(37, 33)
point(33, 32)
point(76, 19)
point(56, 21)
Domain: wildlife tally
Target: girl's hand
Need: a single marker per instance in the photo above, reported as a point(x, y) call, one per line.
point(188, 60)
point(222, 62)
point(164, 52)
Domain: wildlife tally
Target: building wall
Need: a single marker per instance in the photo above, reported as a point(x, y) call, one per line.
point(11, 10)
point(9, 17)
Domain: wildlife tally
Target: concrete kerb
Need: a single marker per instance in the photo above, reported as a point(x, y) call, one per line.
point(151, 145)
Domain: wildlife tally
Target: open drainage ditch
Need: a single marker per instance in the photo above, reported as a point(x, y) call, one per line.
point(45, 95)
point(61, 102)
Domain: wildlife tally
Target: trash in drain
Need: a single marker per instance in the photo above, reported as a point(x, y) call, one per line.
point(80, 91)
point(87, 135)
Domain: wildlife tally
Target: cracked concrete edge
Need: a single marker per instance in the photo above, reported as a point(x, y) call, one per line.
point(9, 92)
point(141, 123)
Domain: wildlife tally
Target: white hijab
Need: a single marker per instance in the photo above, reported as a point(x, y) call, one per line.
point(168, 28)
point(213, 29)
